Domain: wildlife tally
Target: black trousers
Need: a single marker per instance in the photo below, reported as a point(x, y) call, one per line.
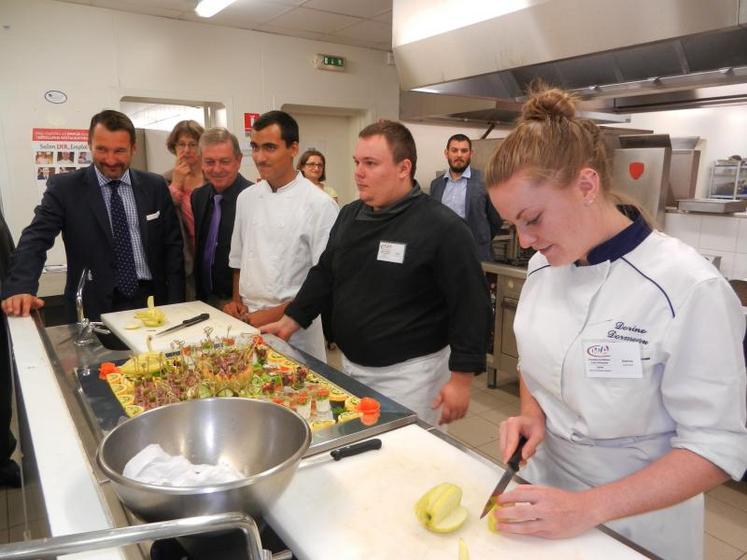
point(7, 440)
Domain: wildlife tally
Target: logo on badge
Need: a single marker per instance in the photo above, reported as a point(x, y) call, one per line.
point(598, 350)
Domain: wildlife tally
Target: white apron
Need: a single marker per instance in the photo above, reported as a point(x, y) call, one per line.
point(413, 383)
point(674, 533)
point(311, 340)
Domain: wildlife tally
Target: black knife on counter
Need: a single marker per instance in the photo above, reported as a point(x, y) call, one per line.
point(186, 323)
point(511, 468)
point(347, 451)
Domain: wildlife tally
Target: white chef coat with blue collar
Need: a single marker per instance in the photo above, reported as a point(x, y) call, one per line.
point(654, 292)
point(277, 237)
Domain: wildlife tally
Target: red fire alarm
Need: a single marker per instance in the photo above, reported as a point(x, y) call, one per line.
point(249, 119)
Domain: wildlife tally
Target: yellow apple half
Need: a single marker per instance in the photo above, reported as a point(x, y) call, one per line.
point(440, 509)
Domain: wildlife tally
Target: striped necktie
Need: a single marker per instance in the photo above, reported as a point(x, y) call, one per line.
point(126, 273)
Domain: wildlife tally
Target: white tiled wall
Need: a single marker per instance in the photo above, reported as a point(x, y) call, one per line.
point(714, 235)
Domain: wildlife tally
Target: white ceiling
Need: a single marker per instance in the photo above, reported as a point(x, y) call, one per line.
point(362, 23)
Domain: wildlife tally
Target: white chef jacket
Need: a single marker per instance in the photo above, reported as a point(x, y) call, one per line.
point(668, 301)
point(277, 237)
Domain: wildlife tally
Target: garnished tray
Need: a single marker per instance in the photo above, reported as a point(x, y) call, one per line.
point(244, 367)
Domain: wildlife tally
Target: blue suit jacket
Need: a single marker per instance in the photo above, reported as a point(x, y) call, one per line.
point(480, 214)
point(74, 205)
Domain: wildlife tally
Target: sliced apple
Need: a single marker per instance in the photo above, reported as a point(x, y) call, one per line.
point(439, 510)
point(492, 522)
point(451, 522)
point(152, 316)
point(463, 550)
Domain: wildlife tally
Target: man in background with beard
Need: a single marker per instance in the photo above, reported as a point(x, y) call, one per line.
point(461, 188)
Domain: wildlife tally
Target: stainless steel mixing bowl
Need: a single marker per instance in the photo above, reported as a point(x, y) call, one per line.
point(262, 440)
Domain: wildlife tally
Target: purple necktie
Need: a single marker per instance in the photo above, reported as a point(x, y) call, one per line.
point(208, 255)
point(126, 274)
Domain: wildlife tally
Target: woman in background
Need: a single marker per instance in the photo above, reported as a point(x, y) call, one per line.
point(632, 376)
point(183, 179)
point(312, 165)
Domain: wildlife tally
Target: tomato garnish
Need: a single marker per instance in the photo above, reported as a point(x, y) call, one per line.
point(369, 405)
point(106, 368)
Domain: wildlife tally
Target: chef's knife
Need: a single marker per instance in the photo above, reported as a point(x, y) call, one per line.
point(511, 468)
point(347, 451)
point(186, 323)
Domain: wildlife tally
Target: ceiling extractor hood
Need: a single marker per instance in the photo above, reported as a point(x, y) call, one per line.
point(619, 56)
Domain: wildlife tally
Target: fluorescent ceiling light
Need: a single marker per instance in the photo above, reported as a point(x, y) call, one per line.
point(208, 8)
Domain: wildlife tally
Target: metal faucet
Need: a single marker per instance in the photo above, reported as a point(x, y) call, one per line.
point(122, 536)
point(86, 328)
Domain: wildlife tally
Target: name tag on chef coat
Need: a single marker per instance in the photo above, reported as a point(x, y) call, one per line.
point(391, 252)
point(613, 360)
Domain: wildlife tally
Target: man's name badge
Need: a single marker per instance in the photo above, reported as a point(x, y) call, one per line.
point(391, 252)
point(613, 360)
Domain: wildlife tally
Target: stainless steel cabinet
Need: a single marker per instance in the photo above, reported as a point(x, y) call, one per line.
point(505, 283)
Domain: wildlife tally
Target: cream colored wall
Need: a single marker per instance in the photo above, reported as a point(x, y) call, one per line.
point(330, 135)
point(97, 56)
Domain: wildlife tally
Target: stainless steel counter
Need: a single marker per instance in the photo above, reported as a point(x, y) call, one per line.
point(67, 361)
point(66, 358)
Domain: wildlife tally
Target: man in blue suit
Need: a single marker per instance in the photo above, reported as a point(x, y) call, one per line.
point(117, 222)
point(461, 189)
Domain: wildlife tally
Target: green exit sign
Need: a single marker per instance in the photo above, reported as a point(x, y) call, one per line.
point(329, 62)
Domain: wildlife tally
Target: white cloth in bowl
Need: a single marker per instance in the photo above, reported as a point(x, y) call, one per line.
point(153, 465)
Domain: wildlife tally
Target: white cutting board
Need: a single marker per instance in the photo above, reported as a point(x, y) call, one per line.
point(362, 507)
point(175, 314)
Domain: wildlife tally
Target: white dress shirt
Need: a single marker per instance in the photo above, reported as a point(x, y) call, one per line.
point(455, 192)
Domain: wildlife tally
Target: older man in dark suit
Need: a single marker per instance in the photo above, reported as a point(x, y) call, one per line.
point(117, 222)
point(214, 208)
point(461, 189)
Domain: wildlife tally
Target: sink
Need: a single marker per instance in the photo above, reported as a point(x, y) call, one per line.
point(111, 342)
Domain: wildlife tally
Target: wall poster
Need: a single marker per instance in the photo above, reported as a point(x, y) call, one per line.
point(58, 150)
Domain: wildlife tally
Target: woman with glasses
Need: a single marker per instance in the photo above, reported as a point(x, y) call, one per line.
point(185, 177)
point(312, 165)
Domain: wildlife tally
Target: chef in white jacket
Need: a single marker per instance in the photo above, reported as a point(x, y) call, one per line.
point(630, 351)
point(281, 228)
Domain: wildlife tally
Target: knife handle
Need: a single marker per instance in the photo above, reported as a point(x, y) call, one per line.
point(350, 450)
point(197, 319)
point(515, 459)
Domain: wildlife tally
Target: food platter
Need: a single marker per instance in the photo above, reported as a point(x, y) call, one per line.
point(245, 367)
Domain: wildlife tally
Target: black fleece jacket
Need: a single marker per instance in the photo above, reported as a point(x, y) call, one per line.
point(383, 313)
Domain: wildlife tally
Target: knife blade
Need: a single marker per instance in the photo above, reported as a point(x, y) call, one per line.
point(511, 468)
point(186, 323)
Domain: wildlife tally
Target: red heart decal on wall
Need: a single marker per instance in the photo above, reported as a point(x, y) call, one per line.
point(636, 169)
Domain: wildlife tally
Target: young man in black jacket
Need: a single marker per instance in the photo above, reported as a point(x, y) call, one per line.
point(410, 306)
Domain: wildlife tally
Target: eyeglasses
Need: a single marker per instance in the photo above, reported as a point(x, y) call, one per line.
point(190, 145)
point(309, 164)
